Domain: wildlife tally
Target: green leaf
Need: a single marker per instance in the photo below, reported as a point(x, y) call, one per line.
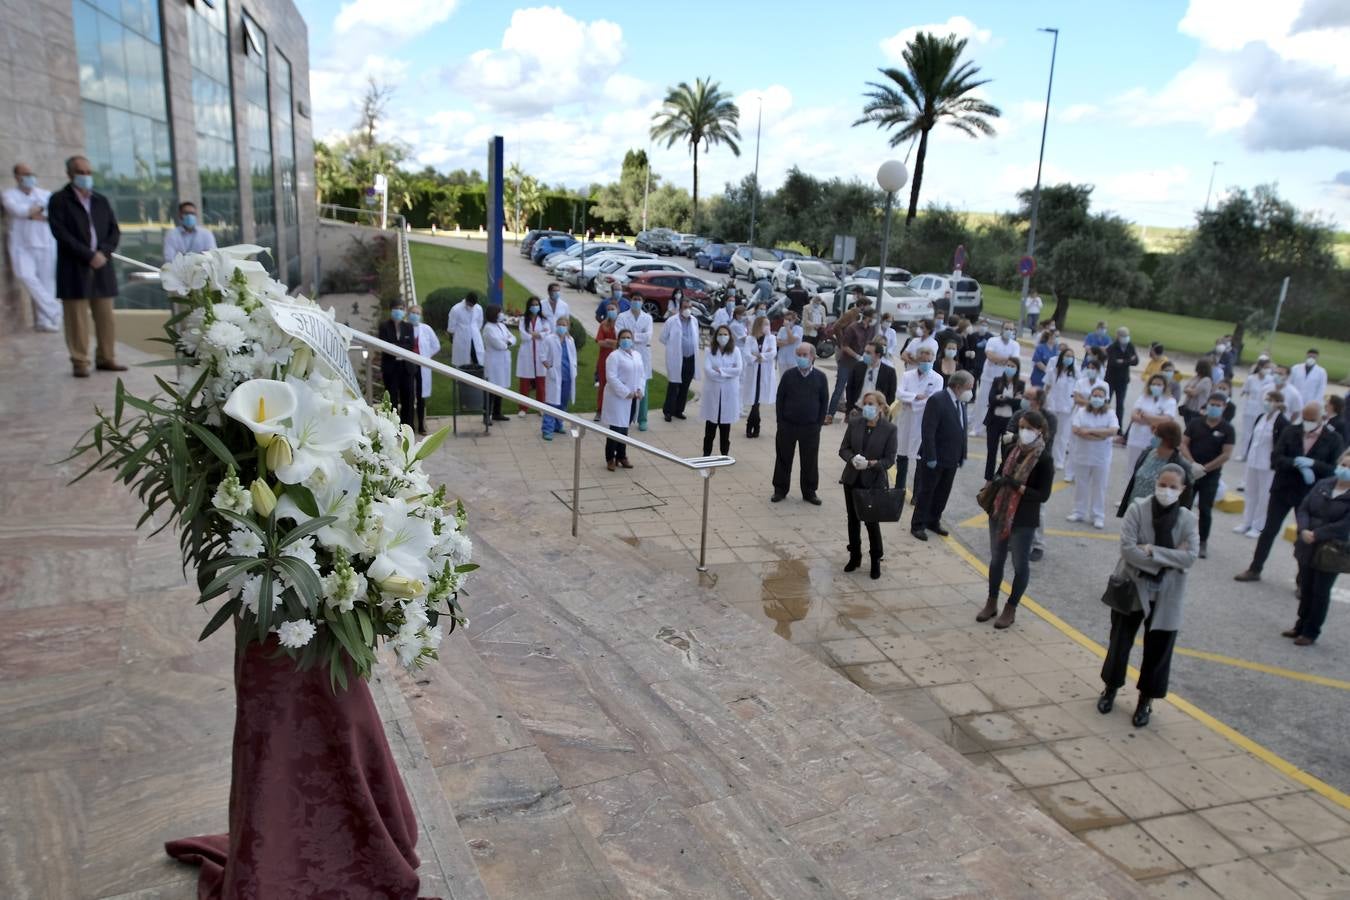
point(241, 520)
point(223, 615)
point(303, 497)
point(222, 581)
point(154, 363)
point(301, 531)
point(432, 444)
point(367, 632)
point(118, 401)
point(213, 443)
point(265, 605)
point(302, 576)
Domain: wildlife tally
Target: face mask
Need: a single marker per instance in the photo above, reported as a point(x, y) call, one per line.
point(924, 368)
point(1123, 341)
point(625, 343)
point(1009, 371)
point(966, 396)
point(1268, 407)
point(1343, 473)
point(553, 295)
point(1101, 331)
point(560, 328)
point(918, 334)
point(868, 359)
point(1214, 411)
point(1156, 390)
point(1090, 371)
point(938, 324)
point(1311, 425)
point(611, 314)
point(1166, 495)
point(1097, 402)
point(415, 318)
point(950, 353)
point(534, 309)
point(396, 315)
point(885, 325)
point(1027, 435)
point(28, 182)
point(83, 182)
point(1007, 335)
point(730, 305)
point(1281, 379)
point(803, 363)
point(869, 411)
point(685, 313)
point(723, 339)
point(1155, 442)
point(1312, 361)
point(1067, 361)
point(189, 220)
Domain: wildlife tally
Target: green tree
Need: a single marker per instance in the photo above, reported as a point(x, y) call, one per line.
point(930, 242)
point(698, 115)
point(935, 87)
point(622, 201)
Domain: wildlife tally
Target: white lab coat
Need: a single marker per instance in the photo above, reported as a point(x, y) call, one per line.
point(551, 311)
point(639, 321)
point(788, 339)
point(623, 376)
point(892, 346)
point(427, 345)
point(721, 316)
point(498, 341)
point(912, 384)
point(32, 250)
point(721, 398)
point(1059, 392)
point(466, 330)
point(1310, 385)
point(527, 358)
point(673, 335)
point(1293, 404)
point(552, 348)
point(178, 240)
point(760, 367)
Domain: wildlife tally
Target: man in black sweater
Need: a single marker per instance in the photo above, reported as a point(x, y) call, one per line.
point(1120, 356)
point(802, 402)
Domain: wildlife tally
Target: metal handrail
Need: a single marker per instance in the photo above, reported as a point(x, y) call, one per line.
point(406, 282)
point(409, 283)
point(704, 465)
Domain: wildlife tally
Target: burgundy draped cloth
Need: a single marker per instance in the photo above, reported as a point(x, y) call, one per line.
point(317, 806)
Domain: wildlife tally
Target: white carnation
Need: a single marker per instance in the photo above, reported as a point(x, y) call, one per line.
point(457, 546)
point(190, 330)
point(294, 635)
point(245, 542)
point(250, 591)
point(224, 336)
point(228, 312)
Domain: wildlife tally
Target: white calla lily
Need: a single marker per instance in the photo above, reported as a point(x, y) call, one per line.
point(263, 406)
point(401, 542)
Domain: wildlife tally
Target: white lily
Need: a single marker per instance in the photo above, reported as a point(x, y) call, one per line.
point(184, 274)
point(319, 431)
point(400, 541)
point(263, 406)
point(335, 491)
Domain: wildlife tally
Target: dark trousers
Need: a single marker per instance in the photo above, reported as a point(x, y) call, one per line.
point(932, 487)
point(495, 405)
point(1276, 512)
point(752, 421)
point(1314, 591)
point(1119, 389)
point(711, 428)
point(855, 530)
point(1206, 489)
point(399, 383)
point(786, 441)
point(1156, 664)
point(902, 472)
point(993, 437)
point(677, 395)
point(841, 376)
point(421, 413)
point(616, 450)
point(1018, 543)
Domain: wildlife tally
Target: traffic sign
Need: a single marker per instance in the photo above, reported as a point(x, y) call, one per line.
point(959, 258)
point(845, 247)
point(1026, 266)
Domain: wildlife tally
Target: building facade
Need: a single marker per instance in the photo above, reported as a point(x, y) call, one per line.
point(171, 100)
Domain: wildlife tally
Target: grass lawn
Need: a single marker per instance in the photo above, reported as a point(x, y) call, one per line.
point(436, 267)
point(1183, 334)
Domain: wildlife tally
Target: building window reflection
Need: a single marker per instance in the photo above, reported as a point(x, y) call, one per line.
point(260, 137)
point(290, 207)
point(213, 115)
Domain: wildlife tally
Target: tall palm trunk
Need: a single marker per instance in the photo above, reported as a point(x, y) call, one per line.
point(918, 178)
point(695, 225)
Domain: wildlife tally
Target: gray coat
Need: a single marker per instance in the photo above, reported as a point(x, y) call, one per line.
point(1137, 529)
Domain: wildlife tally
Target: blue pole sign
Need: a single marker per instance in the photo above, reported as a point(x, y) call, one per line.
point(1026, 266)
point(495, 225)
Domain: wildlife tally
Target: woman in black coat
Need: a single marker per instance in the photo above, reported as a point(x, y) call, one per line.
point(1323, 517)
point(868, 450)
point(1005, 398)
point(1023, 484)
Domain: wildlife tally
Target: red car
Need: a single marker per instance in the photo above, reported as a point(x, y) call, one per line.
point(655, 289)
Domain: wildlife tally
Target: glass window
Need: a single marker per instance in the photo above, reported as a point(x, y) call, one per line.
point(260, 140)
point(290, 199)
point(213, 115)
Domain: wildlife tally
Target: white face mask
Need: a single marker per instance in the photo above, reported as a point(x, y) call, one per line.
point(1312, 424)
point(966, 396)
point(1166, 495)
point(1027, 435)
point(723, 339)
point(1311, 361)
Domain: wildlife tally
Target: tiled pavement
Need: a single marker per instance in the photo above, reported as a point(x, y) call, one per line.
point(1177, 806)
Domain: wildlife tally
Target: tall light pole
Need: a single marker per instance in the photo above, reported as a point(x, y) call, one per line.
point(754, 197)
point(892, 176)
point(1214, 168)
point(1036, 192)
point(648, 187)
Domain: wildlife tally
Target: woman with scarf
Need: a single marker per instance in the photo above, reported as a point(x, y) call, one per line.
point(1022, 485)
point(1159, 542)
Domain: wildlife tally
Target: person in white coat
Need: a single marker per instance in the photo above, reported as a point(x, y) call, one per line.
point(680, 334)
point(886, 331)
point(554, 307)
point(1154, 406)
point(1260, 473)
point(426, 344)
point(558, 357)
point(997, 351)
point(720, 404)
point(1059, 384)
point(533, 328)
point(1258, 383)
point(32, 249)
point(1094, 427)
point(759, 380)
point(625, 383)
point(1309, 379)
point(637, 320)
point(911, 398)
point(788, 337)
point(497, 341)
point(465, 325)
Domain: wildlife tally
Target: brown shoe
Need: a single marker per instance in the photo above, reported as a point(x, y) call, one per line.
point(1291, 633)
point(1007, 617)
point(625, 464)
point(111, 367)
point(1303, 641)
point(1248, 575)
point(610, 465)
point(81, 371)
point(990, 610)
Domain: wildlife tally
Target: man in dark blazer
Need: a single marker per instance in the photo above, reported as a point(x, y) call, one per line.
point(1304, 453)
point(1120, 356)
point(399, 376)
point(870, 375)
point(942, 450)
point(85, 228)
point(803, 397)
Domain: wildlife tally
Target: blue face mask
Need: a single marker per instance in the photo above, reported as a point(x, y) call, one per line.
point(189, 220)
point(1156, 390)
point(1097, 402)
point(415, 318)
point(560, 328)
point(1155, 443)
point(28, 181)
point(1343, 473)
point(924, 367)
point(869, 411)
point(1214, 411)
point(611, 314)
point(625, 343)
point(534, 309)
point(1009, 371)
point(868, 359)
point(83, 182)
point(803, 362)
point(396, 315)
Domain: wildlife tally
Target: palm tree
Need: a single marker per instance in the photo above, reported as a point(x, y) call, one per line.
point(698, 115)
point(936, 87)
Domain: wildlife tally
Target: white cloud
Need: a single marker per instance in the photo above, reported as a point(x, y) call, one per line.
point(1077, 112)
point(1147, 186)
point(1232, 24)
point(894, 46)
point(395, 19)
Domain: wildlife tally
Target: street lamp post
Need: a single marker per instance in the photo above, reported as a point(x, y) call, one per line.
point(648, 187)
point(1213, 169)
point(1036, 192)
point(754, 196)
point(892, 176)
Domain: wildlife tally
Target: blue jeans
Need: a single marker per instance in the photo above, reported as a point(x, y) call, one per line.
point(552, 424)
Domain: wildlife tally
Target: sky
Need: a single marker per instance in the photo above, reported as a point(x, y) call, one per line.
point(1147, 95)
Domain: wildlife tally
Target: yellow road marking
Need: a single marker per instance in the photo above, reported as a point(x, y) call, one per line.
point(1095, 535)
point(1292, 674)
point(1267, 756)
point(984, 517)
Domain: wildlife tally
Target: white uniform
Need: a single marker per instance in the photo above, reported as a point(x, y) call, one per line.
point(554, 311)
point(623, 376)
point(1293, 404)
point(913, 384)
point(1311, 384)
point(789, 336)
point(466, 331)
point(915, 346)
point(722, 316)
point(1256, 493)
point(531, 345)
point(1092, 462)
point(1141, 436)
point(813, 319)
point(1253, 395)
point(721, 398)
point(498, 341)
point(178, 240)
point(638, 321)
point(1059, 400)
point(760, 368)
point(33, 252)
point(551, 350)
point(428, 345)
point(675, 333)
point(1000, 346)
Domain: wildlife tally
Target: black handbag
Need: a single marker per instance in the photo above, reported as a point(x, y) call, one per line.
point(1122, 595)
point(1332, 556)
point(825, 348)
point(878, 504)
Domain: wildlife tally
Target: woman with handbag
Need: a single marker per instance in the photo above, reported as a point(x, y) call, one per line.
point(1159, 542)
point(868, 450)
point(1321, 550)
point(1013, 502)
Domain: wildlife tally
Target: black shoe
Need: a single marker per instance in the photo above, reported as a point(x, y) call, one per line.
point(875, 571)
point(667, 418)
point(1204, 549)
point(919, 533)
point(777, 498)
point(1142, 712)
point(812, 499)
point(1106, 701)
point(938, 530)
point(1037, 554)
point(680, 416)
point(854, 560)
point(501, 418)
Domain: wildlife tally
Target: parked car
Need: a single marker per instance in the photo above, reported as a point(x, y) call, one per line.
point(952, 295)
point(691, 243)
point(893, 273)
point(811, 274)
point(787, 254)
point(658, 240)
point(752, 263)
point(586, 249)
point(534, 234)
point(551, 244)
point(621, 273)
point(656, 288)
point(905, 305)
point(581, 273)
point(713, 257)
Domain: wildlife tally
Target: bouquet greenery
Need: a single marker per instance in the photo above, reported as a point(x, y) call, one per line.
point(301, 505)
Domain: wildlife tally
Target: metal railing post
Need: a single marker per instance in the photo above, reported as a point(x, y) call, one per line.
point(703, 531)
point(577, 434)
point(370, 377)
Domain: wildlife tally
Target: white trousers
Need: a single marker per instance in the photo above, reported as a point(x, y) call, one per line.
point(1089, 490)
point(1062, 435)
point(35, 267)
point(1256, 497)
point(975, 415)
point(1244, 436)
